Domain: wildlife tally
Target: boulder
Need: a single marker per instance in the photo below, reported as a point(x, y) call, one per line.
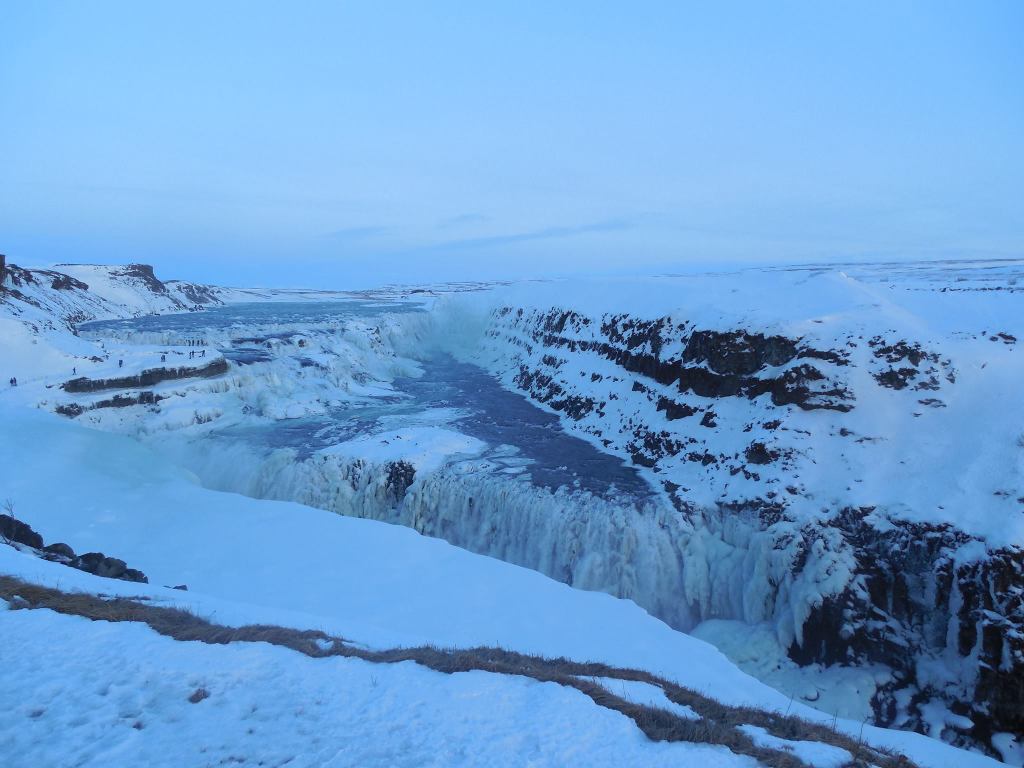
point(60, 549)
point(131, 574)
point(89, 562)
point(112, 568)
point(13, 529)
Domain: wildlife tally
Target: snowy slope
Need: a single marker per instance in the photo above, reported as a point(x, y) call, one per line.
point(40, 307)
point(136, 287)
point(128, 703)
point(247, 561)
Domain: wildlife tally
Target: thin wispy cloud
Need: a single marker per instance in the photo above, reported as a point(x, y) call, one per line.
point(463, 220)
point(358, 234)
point(547, 233)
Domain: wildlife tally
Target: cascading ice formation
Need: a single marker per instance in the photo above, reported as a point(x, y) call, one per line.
point(683, 570)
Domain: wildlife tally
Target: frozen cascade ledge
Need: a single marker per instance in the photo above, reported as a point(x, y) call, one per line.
point(684, 571)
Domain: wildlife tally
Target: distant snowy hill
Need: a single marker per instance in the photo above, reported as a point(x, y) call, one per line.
point(40, 307)
point(135, 287)
point(75, 293)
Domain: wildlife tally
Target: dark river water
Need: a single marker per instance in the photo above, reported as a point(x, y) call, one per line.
point(474, 402)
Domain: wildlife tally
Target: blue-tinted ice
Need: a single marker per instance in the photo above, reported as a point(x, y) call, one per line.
point(523, 438)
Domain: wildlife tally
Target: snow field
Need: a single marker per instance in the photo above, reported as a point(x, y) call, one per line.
point(120, 695)
point(248, 561)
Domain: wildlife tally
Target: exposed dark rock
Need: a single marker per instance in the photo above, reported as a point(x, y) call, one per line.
point(758, 453)
point(703, 459)
point(400, 475)
point(674, 410)
point(199, 694)
point(147, 397)
point(90, 561)
point(713, 364)
point(147, 378)
point(912, 597)
point(19, 276)
point(143, 272)
point(901, 350)
point(109, 567)
point(123, 401)
point(921, 363)
point(574, 406)
point(912, 592)
point(896, 378)
point(551, 361)
point(61, 282)
point(547, 390)
point(647, 446)
point(197, 294)
point(738, 353)
point(131, 574)
point(835, 357)
point(60, 549)
point(13, 529)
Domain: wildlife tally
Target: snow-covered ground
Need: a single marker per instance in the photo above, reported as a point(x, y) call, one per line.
point(120, 696)
point(313, 410)
point(248, 561)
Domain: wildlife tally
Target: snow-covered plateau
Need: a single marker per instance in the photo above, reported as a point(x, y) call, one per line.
point(819, 470)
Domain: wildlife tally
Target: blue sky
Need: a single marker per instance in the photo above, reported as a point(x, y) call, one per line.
point(350, 144)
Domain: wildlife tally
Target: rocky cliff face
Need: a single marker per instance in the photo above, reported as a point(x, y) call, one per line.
point(147, 378)
point(827, 440)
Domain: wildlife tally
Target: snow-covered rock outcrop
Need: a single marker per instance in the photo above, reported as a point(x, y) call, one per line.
point(76, 293)
point(846, 455)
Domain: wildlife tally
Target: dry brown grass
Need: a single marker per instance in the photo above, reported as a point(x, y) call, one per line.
point(718, 724)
